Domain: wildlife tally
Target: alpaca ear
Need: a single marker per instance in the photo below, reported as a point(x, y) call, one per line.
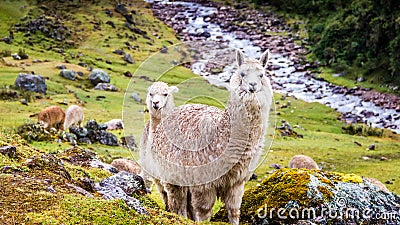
point(239, 57)
point(173, 89)
point(264, 58)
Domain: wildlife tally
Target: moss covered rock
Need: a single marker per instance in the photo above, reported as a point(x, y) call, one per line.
point(293, 196)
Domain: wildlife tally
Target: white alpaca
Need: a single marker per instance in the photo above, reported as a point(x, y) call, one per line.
point(73, 115)
point(303, 161)
point(160, 102)
point(203, 152)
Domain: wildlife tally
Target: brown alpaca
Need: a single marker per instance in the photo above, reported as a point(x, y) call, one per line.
point(303, 161)
point(52, 117)
point(377, 183)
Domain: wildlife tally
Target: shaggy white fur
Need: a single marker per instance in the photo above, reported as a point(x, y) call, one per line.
point(160, 102)
point(202, 152)
point(73, 115)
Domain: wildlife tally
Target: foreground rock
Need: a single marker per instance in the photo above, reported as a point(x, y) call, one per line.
point(300, 196)
point(122, 186)
point(30, 82)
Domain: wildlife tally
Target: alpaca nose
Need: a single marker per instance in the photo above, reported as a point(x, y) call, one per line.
point(155, 104)
point(252, 86)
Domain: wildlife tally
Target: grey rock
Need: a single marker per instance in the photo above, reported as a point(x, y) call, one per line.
point(105, 87)
point(119, 52)
point(128, 58)
point(30, 82)
point(110, 192)
point(8, 151)
point(164, 50)
point(121, 8)
point(16, 56)
point(68, 74)
point(80, 190)
point(130, 183)
point(99, 76)
point(61, 67)
point(371, 147)
point(136, 97)
point(79, 131)
point(99, 164)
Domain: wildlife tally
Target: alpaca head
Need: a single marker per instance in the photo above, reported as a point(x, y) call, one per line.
point(160, 97)
point(250, 76)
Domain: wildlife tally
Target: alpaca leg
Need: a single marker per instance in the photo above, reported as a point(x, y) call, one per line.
point(162, 192)
point(233, 199)
point(177, 199)
point(202, 203)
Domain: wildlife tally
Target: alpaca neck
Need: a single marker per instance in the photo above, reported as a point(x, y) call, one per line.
point(154, 121)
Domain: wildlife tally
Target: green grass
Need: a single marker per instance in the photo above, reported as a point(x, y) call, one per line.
point(322, 132)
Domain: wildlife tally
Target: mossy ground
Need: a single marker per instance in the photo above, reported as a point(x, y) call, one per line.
point(323, 138)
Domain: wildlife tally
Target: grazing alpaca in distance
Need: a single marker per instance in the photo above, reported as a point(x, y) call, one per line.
point(203, 152)
point(160, 102)
point(52, 117)
point(303, 161)
point(114, 124)
point(73, 115)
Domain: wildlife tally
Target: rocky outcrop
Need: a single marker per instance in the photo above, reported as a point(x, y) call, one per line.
point(301, 196)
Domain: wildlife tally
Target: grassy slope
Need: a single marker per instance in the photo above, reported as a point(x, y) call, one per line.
point(322, 140)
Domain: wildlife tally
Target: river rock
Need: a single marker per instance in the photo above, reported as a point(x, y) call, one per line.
point(68, 74)
point(30, 82)
point(99, 76)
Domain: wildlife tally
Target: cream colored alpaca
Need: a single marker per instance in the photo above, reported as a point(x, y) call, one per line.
point(203, 152)
point(160, 102)
point(52, 117)
point(303, 161)
point(73, 115)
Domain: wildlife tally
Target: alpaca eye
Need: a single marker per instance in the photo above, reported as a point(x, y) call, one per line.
point(165, 95)
point(261, 75)
point(242, 74)
point(151, 94)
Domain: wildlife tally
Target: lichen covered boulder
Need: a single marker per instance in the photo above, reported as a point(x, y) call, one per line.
point(295, 196)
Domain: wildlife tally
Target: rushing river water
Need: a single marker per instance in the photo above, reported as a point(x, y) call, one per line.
point(285, 78)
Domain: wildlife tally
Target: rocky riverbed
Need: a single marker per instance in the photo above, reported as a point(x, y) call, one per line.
point(215, 31)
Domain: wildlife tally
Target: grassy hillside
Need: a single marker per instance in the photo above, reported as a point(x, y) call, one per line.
point(323, 138)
